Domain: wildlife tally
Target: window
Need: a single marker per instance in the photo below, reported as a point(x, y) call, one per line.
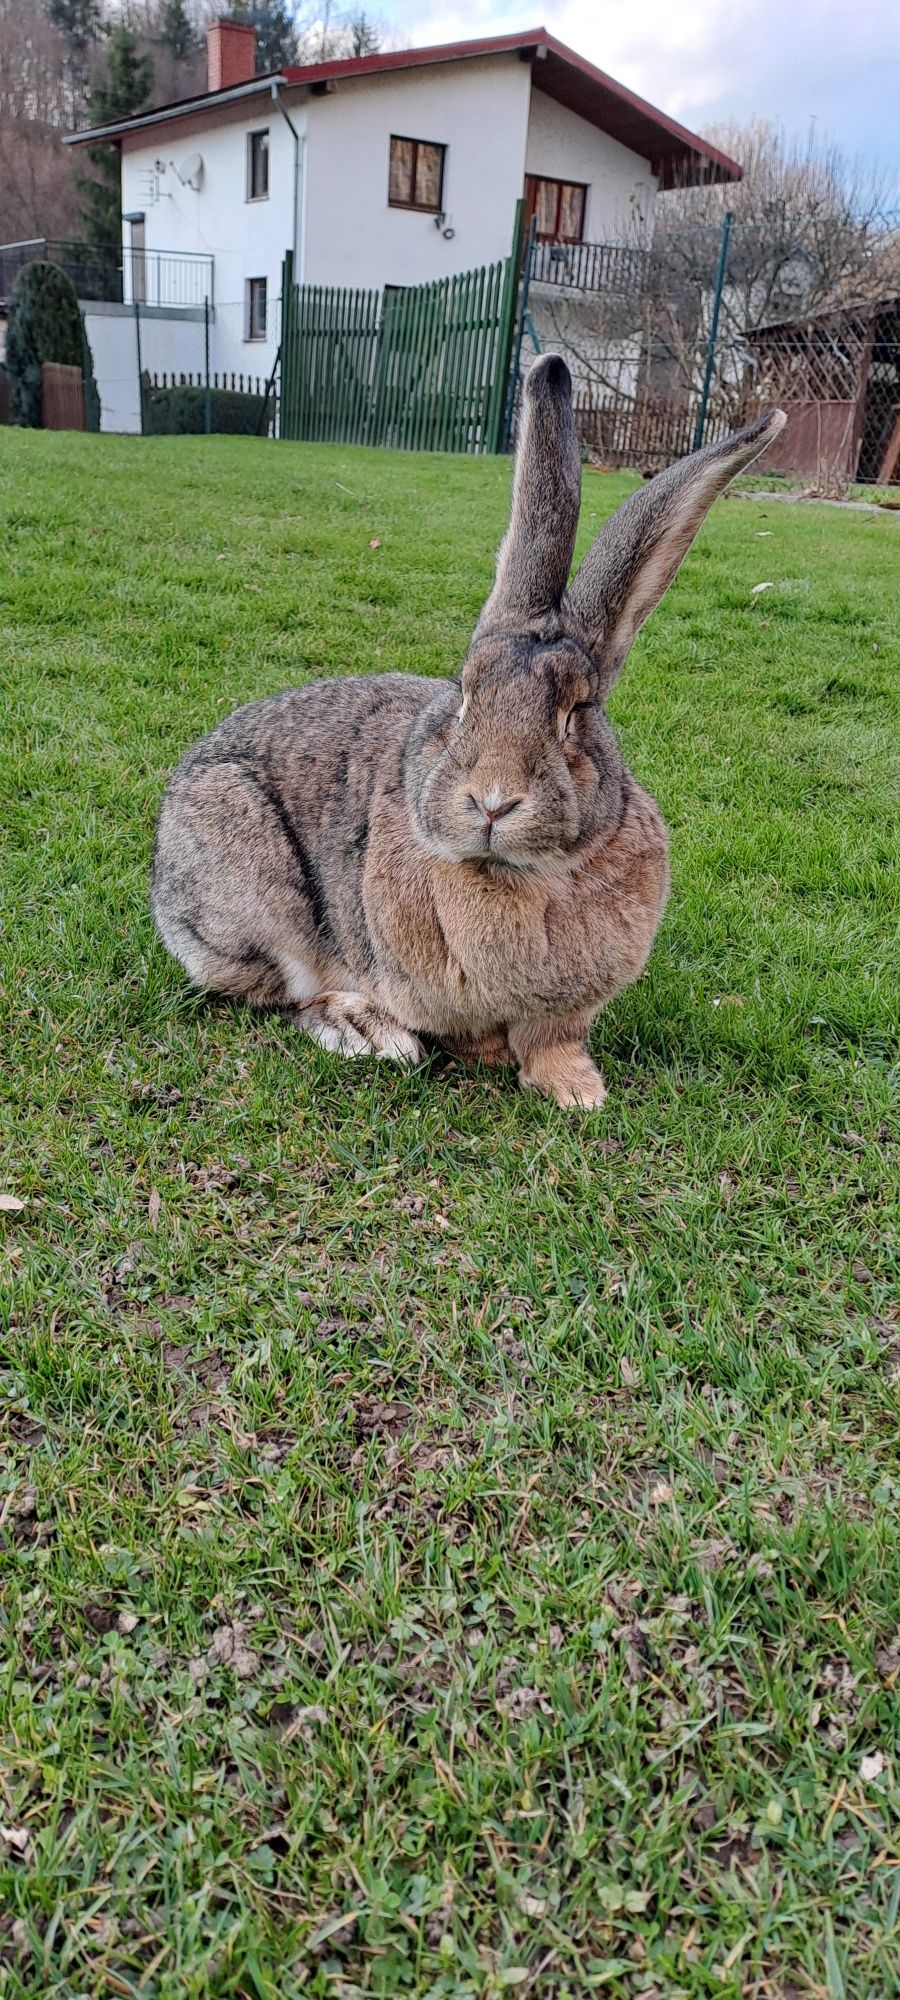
point(138, 258)
point(416, 178)
point(558, 209)
point(256, 309)
point(257, 166)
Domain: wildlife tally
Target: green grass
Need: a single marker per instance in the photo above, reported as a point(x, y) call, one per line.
point(539, 1474)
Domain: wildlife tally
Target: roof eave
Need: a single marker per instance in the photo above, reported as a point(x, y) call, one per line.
point(184, 107)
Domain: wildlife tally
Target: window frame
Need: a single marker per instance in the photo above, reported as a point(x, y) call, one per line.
point(533, 182)
point(137, 227)
point(417, 207)
point(258, 132)
point(248, 309)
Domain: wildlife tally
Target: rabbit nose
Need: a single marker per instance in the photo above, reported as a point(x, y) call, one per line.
point(494, 806)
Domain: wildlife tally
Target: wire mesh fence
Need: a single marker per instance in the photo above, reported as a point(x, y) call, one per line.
point(205, 372)
point(711, 324)
point(670, 343)
point(196, 369)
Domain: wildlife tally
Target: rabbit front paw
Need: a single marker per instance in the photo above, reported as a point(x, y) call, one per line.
point(565, 1072)
point(349, 1024)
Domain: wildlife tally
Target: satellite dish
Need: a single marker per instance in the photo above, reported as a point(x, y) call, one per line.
point(190, 172)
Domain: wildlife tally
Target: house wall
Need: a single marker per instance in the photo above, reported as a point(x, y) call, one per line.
point(113, 343)
point(246, 238)
point(477, 109)
point(495, 123)
point(562, 146)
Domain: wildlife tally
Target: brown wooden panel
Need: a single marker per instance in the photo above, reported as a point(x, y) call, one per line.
point(62, 392)
point(817, 438)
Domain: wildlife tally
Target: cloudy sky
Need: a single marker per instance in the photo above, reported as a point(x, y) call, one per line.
point(835, 61)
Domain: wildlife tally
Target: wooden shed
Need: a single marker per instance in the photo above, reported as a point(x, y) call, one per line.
point(837, 374)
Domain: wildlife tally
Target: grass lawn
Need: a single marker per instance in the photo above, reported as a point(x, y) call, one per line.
point(451, 1545)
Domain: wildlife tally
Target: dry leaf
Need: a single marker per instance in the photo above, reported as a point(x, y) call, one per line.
point(532, 1906)
point(229, 1649)
point(126, 1622)
point(871, 1766)
point(10, 1204)
point(661, 1494)
point(522, 1702)
point(17, 1838)
point(629, 1374)
point(375, 543)
point(153, 1207)
point(302, 1720)
point(887, 1658)
point(757, 587)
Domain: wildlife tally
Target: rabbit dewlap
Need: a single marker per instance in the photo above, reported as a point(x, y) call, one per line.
point(468, 860)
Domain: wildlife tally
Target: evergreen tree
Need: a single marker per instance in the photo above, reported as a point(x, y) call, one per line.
point(176, 31)
point(81, 21)
point(125, 88)
point(276, 35)
point(81, 25)
point(44, 325)
point(363, 36)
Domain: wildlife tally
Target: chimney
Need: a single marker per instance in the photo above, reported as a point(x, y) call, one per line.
point(230, 54)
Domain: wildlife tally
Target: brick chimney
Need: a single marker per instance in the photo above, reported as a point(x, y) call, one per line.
point(230, 54)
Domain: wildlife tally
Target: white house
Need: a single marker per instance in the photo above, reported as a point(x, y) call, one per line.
point(389, 169)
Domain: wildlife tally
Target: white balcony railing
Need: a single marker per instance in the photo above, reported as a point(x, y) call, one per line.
point(166, 277)
point(590, 267)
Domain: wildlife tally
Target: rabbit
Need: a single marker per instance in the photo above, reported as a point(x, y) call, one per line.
point(390, 858)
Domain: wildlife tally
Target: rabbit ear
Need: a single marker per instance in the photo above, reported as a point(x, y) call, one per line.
point(536, 552)
point(631, 564)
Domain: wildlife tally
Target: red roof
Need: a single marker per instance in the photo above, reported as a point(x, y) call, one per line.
point(573, 81)
point(674, 153)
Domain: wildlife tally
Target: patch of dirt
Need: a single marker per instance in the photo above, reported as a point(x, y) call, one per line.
point(162, 1095)
point(798, 498)
point(887, 1659)
point(211, 1179)
point(229, 1647)
point(19, 1522)
point(206, 1373)
point(372, 1417)
point(102, 1617)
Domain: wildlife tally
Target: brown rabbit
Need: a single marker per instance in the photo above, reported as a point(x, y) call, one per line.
point(465, 859)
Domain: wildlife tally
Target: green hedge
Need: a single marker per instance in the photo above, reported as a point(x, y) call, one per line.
point(182, 412)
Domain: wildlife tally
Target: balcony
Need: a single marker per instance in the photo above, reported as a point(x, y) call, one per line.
point(167, 278)
point(172, 279)
point(590, 267)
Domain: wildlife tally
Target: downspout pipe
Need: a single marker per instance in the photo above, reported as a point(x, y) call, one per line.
point(276, 99)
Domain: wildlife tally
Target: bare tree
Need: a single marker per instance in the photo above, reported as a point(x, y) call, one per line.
point(35, 109)
point(811, 230)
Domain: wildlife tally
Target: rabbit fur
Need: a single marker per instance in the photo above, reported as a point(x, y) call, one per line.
point(468, 860)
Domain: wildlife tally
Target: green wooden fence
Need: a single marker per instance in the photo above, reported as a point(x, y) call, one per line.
point(422, 368)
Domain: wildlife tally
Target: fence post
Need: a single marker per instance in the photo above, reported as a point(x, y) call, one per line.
point(520, 328)
point(140, 371)
point(207, 399)
point(505, 332)
point(286, 345)
point(700, 425)
point(266, 394)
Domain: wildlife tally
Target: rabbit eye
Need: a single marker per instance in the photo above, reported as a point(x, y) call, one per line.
point(570, 724)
